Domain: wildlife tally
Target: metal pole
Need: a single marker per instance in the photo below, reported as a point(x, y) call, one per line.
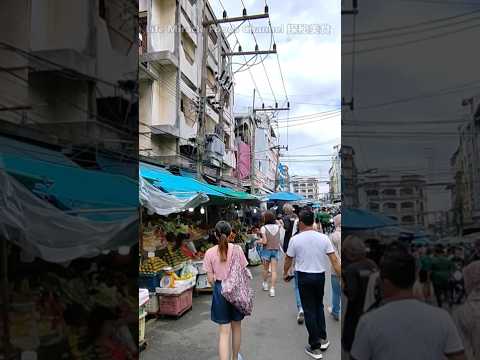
point(252, 155)
point(203, 95)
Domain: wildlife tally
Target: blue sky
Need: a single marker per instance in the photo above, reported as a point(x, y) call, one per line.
point(311, 68)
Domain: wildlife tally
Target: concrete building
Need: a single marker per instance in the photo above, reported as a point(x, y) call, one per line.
point(349, 178)
point(465, 165)
point(171, 51)
point(257, 153)
point(400, 197)
point(73, 83)
point(307, 186)
point(335, 175)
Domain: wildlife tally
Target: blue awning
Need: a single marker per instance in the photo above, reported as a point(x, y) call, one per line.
point(284, 196)
point(180, 186)
point(364, 219)
point(51, 175)
point(186, 186)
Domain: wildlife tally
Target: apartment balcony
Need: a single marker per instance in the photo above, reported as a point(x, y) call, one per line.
point(157, 36)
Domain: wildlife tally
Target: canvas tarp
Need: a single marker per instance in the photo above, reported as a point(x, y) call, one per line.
point(156, 201)
point(53, 235)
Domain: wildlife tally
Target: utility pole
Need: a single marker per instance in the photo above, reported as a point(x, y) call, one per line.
point(206, 23)
point(277, 147)
point(252, 147)
point(203, 95)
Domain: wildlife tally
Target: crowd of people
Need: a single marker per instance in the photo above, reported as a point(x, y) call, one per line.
point(309, 255)
point(410, 301)
point(397, 300)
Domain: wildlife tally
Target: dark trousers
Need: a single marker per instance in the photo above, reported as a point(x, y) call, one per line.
point(311, 287)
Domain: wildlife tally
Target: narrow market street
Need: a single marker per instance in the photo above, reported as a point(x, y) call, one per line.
point(271, 333)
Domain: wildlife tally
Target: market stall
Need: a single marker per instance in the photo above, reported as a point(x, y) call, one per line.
point(65, 252)
point(174, 240)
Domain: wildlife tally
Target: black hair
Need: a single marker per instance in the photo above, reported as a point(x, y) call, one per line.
point(306, 216)
point(398, 265)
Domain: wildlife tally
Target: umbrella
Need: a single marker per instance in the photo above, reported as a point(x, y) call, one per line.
point(364, 219)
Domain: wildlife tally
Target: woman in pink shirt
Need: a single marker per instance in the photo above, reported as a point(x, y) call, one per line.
point(216, 264)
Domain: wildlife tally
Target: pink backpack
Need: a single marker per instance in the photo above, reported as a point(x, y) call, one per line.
point(236, 287)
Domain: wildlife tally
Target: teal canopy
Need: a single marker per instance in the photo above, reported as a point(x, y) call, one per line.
point(50, 174)
point(186, 186)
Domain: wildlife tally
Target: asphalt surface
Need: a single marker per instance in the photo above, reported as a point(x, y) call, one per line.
point(271, 333)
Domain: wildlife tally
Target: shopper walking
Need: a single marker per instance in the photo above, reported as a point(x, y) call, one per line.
point(222, 312)
point(403, 327)
point(356, 277)
point(336, 238)
point(467, 316)
point(310, 249)
point(271, 234)
point(441, 269)
point(290, 223)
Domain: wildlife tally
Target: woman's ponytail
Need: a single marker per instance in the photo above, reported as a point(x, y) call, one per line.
point(223, 231)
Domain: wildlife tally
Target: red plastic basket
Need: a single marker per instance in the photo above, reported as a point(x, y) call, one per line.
point(175, 305)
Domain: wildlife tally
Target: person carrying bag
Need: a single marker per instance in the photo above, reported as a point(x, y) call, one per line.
point(232, 299)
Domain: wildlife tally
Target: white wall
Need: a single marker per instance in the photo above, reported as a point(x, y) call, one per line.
point(160, 29)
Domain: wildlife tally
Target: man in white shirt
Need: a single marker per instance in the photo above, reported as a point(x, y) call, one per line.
point(404, 327)
point(310, 249)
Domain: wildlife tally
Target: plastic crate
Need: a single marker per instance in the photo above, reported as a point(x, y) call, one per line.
point(150, 282)
point(141, 329)
point(175, 305)
point(152, 305)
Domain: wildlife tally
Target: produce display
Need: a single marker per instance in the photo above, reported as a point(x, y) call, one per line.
point(152, 265)
point(174, 257)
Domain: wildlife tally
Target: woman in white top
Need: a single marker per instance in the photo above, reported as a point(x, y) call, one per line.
point(271, 242)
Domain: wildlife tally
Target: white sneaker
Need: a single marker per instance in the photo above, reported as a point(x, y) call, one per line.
point(272, 292)
point(265, 286)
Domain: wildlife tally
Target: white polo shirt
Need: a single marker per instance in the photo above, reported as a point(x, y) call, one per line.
point(310, 249)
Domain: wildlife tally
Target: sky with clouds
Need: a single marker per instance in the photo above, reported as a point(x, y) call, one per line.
point(409, 84)
point(307, 35)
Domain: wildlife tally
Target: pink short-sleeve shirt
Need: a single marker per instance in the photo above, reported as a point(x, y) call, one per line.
point(213, 265)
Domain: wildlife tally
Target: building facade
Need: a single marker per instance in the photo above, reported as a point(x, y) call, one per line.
point(73, 83)
point(335, 176)
point(306, 186)
point(348, 185)
point(401, 198)
point(465, 166)
point(171, 57)
point(257, 154)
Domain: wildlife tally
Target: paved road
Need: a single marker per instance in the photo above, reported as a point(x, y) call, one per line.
point(271, 333)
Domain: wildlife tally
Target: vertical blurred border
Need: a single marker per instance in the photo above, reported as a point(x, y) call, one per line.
point(69, 213)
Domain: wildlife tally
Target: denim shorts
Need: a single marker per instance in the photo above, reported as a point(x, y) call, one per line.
point(222, 311)
point(268, 255)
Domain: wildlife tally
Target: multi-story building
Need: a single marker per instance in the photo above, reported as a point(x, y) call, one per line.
point(307, 186)
point(171, 57)
point(349, 180)
point(402, 198)
point(73, 83)
point(465, 165)
point(335, 175)
point(257, 153)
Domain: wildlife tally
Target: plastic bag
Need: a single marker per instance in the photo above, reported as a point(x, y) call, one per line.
point(253, 257)
point(189, 269)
